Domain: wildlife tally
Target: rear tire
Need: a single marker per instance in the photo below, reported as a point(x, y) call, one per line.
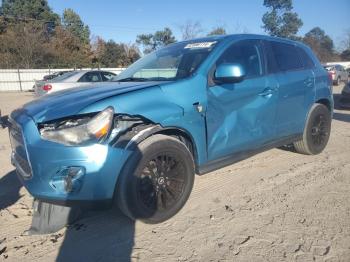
point(156, 181)
point(316, 132)
point(337, 82)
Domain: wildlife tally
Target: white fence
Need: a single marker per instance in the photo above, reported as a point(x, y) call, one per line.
point(345, 64)
point(23, 79)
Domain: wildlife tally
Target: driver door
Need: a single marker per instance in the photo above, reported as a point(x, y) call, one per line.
point(241, 116)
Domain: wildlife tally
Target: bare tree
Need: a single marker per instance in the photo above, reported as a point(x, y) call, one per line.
point(191, 29)
point(240, 29)
point(345, 46)
point(345, 43)
point(132, 53)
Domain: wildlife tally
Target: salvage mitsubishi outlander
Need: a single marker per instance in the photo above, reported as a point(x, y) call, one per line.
point(189, 108)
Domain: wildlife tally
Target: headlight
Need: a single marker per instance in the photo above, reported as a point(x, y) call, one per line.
point(81, 132)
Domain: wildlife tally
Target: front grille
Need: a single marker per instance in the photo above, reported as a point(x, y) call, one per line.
point(19, 153)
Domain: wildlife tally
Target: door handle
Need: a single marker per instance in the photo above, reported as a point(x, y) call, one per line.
point(268, 91)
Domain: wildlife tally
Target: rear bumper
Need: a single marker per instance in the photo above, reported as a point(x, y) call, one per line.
point(51, 164)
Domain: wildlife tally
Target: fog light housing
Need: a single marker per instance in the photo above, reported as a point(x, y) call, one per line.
point(68, 179)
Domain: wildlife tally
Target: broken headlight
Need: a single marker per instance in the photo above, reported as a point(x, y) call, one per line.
point(83, 131)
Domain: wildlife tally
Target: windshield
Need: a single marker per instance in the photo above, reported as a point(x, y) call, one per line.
point(329, 68)
point(171, 63)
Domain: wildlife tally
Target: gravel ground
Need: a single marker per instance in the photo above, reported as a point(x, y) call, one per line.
point(276, 206)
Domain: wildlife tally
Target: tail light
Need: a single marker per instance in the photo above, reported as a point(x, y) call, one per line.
point(47, 87)
point(330, 76)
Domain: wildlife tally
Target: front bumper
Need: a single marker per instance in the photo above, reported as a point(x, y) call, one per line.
point(42, 165)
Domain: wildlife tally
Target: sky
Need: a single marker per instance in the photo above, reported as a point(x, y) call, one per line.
point(122, 21)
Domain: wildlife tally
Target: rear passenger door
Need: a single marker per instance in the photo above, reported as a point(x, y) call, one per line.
point(296, 87)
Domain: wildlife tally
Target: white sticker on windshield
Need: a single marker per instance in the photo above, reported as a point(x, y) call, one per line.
point(200, 45)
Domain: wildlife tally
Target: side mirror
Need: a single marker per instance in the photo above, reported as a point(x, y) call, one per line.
point(229, 73)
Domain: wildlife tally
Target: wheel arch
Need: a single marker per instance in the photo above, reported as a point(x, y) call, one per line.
point(184, 137)
point(136, 136)
point(326, 102)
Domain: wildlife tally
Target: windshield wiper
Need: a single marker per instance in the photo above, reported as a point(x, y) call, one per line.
point(160, 78)
point(132, 79)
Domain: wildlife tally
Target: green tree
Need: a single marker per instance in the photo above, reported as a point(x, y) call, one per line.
point(22, 45)
point(151, 42)
point(72, 22)
point(220, 30)
point(321, 44)
point(112, 54)
point(24, 10)
point(66, 50)
point(280, 20)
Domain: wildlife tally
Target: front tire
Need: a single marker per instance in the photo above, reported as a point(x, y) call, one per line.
point(316, 132)
point(157, 180)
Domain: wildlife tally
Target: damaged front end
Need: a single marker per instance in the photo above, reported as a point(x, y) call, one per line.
point(75, 162)
point(115, 130)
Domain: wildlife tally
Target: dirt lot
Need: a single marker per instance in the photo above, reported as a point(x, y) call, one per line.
point(276, 206)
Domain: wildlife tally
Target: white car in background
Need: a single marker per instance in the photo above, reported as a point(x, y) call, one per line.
point(70, 80)
point(338, 73)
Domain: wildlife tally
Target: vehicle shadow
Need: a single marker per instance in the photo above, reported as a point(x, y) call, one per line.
point(9, 189)
point(99, 236)
point(336, 115)
point(336, 99)
point(341, 117)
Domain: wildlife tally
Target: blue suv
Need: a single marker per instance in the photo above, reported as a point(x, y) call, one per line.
point(191, 107)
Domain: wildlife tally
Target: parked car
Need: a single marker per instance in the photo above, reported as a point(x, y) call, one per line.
point(191, 107)
point(48, 77)
point(71, 79)
point(345, 96)
point(337, 73)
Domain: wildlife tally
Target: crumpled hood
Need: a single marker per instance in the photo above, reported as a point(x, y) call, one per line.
point(72, 101)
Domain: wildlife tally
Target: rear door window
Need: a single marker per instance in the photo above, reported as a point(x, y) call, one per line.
point(305, 58)
point(283, 57)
